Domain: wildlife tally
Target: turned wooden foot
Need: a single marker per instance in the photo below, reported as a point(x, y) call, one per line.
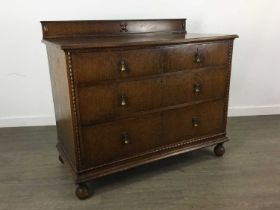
point(219, 150)
point(60, 159)
point(82, 191)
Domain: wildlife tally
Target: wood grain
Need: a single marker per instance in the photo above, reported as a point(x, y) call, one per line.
point(105, 65)
point(129, 92)
point(54, 29)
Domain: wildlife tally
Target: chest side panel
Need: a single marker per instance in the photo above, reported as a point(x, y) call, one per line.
point(62, 103)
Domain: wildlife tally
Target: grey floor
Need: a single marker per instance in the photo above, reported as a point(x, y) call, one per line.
point(247, 177)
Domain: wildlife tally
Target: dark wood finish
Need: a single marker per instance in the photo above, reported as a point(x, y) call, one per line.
point(88, 43)
point(149, 61)
point(150, 156)
point(55, 29)
point(62, 103)
point(200, 84)
point(195, 55)
point(113, 100)
point(219, 150)
point(131, 92)
point(192, 121)
point(147, 94)
point(82, 191)
point(109, 66)
point(141, 135)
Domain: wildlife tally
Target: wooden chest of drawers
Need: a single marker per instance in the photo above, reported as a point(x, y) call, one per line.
point(131, 92)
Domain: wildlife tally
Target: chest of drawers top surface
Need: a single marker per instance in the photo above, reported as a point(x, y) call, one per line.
point(128, 92)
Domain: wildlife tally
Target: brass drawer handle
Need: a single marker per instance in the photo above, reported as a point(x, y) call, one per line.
point(197, 88)
point(123, 100)
point(195, 122)
point(125, 138)
point(123, 27)
point(198, 56)
point(123, 66)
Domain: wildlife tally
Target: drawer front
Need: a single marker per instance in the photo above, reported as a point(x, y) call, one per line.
point(116, 64)
point(109, 142)
point(108, 65)
point(190, 87)
point(199, 55)
point(104, 102)
point(193, 121)
point(108, 101)
point(113, 141)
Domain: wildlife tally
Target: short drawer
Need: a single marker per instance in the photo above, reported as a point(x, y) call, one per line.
point(193, 121)
point(190, 87)
point(109, 142)
point(103, 102)
point(189, 56)
point(115, 64)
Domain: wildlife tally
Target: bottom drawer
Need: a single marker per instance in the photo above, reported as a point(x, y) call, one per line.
point(113, 141)
point(193, 121)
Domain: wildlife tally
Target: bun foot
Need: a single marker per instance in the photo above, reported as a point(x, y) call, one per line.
point(60, 159)
point(82, 192)
point(219, 150)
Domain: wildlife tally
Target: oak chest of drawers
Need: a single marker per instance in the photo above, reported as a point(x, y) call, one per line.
point(131, 92)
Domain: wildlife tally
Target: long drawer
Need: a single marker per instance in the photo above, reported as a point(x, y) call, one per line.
point(127, 63)
point(117, 140)
point(107, 101)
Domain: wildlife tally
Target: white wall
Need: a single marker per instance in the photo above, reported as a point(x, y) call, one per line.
point(25, 92)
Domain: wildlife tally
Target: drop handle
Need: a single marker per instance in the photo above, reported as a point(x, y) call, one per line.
point(195, 122)
point(123, 66)
point(198, 56)
point(196, 88)
point(123, 100)
point(125, 139)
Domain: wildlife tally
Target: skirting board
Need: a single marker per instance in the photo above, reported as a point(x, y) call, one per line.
point(253, 110)
point(19, 121)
